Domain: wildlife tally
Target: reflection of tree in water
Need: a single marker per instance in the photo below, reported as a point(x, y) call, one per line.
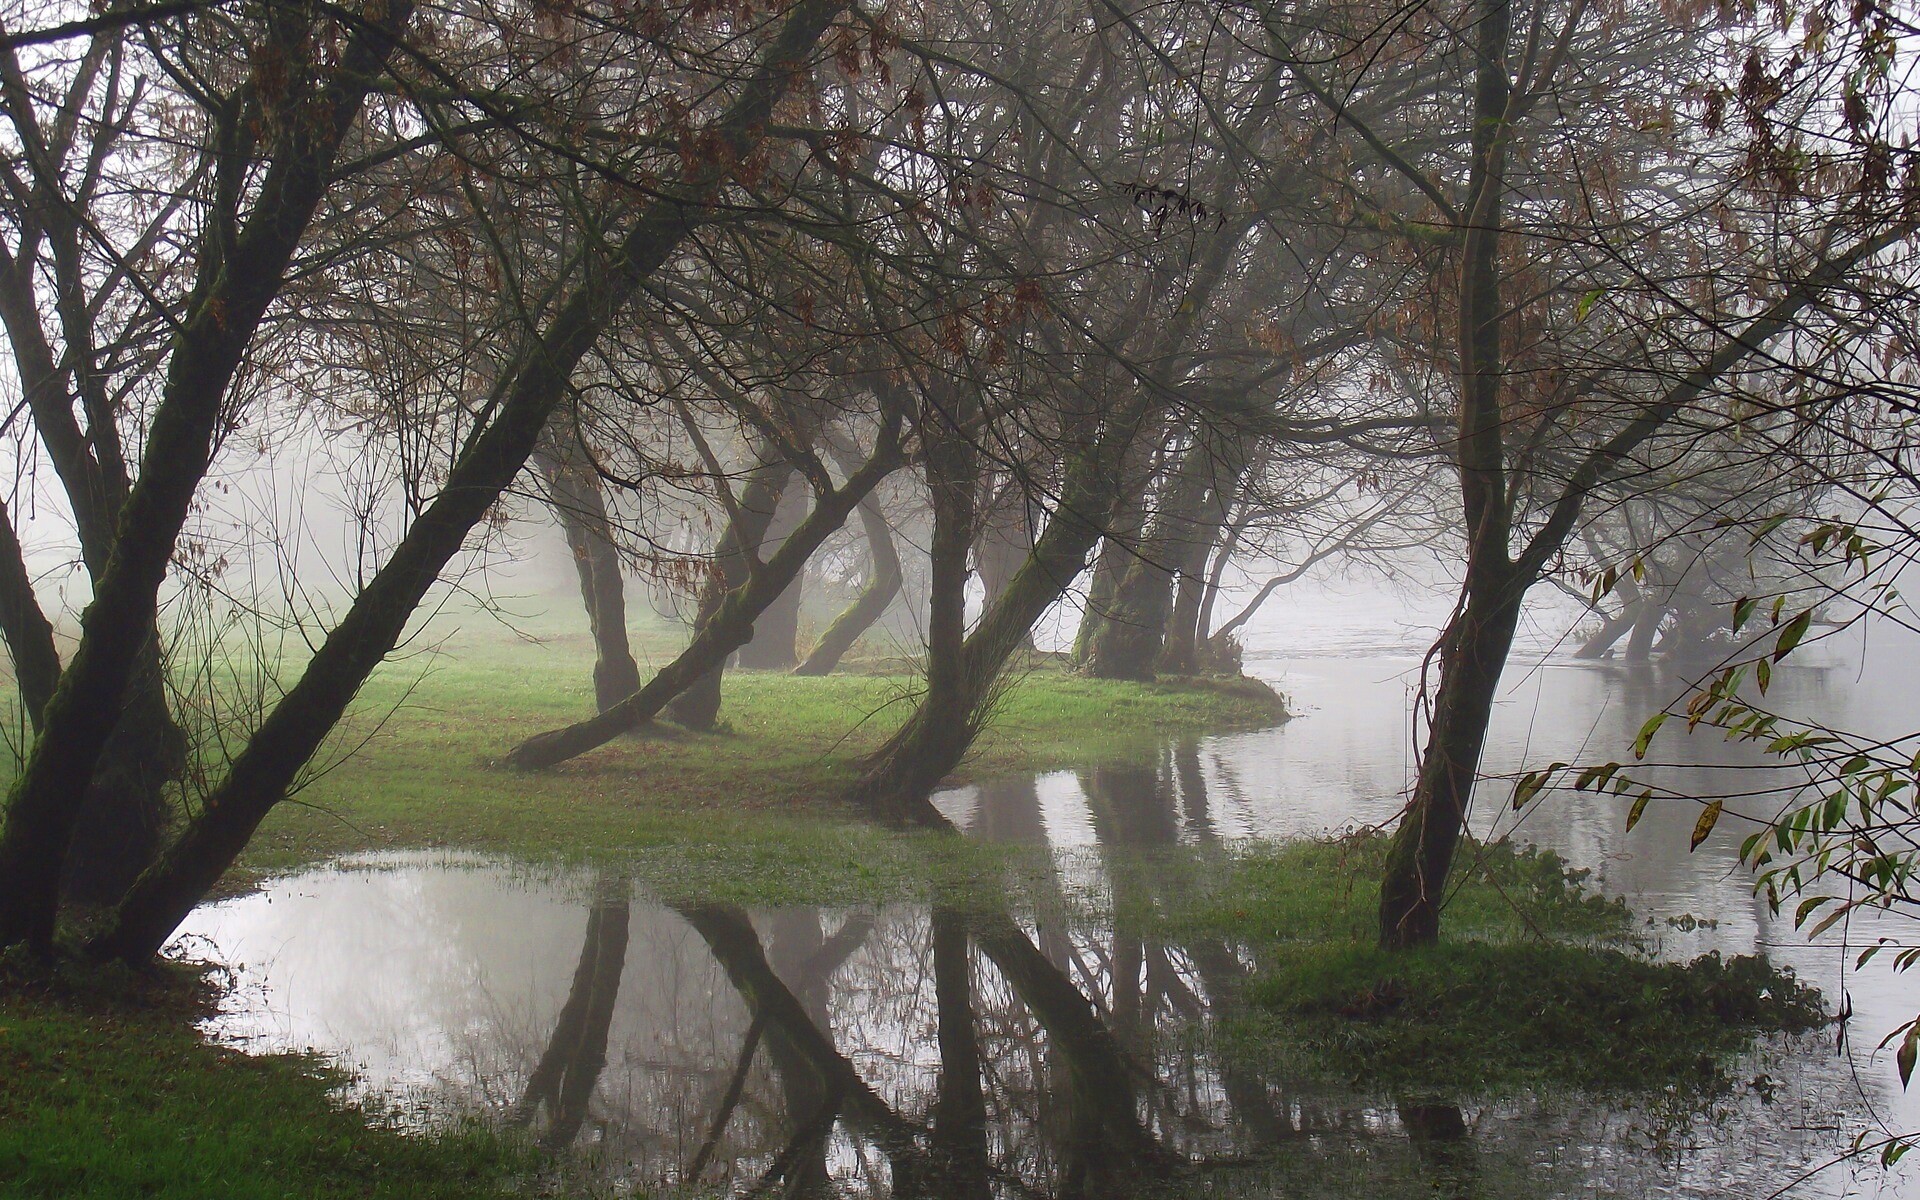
point(956, 1052)
point(563, 1081)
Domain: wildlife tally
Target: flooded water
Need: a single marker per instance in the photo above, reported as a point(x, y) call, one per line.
point(912, 1049)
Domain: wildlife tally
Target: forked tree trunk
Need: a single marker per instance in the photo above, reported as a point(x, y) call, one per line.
point(578, 498)
point(898, 778)
point(125, 814)
point(884, 577)
point(207, 349)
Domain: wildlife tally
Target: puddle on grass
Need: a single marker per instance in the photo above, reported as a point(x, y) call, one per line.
point(912, 1050)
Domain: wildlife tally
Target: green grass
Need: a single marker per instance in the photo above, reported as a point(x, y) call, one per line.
point(106, 1091)
point(421, 770)
point(109, 1093)
point(1538, 983)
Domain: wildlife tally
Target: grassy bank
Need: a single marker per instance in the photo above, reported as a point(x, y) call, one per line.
point(109, 1094)
point(413, 766)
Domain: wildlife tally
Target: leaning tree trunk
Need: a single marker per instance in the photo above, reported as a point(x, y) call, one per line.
point(579, 500)
point(259, 778)
point(698, 705)
point(777, 633)
point(883, 584)
point(1473, 652)
point(207, 349)
point(724, 632)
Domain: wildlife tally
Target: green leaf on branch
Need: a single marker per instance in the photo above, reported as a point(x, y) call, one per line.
point(1791, 635)
point(1647, 731)
point(1709, 817)
point(1639, 808)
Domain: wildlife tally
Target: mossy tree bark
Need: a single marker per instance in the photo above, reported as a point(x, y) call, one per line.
point(299, 723)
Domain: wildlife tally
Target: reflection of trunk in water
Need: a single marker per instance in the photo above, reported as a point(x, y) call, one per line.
point(1441, 1142)
point(794, 1038)
point(562, 1082)
point(1112, 1146)
point(1135, 807)
point(802, 956)
point(959, 1107)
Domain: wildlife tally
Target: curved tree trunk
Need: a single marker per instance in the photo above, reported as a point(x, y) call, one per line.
point(883, 584)
point(698, 705)
point(730, 625)
point(578, 499)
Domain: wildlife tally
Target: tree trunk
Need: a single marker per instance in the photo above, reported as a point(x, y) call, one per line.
point(725, 631)
point(579, 500)
point(1473, 652)
point(1116, 554)
point(731, 937)
point(1127, 643)
point(884, 577)
point(776, 633)
point(698, 705)
point(1005, 539)
point(167, 891)
point(898, 778)
point(117, 628)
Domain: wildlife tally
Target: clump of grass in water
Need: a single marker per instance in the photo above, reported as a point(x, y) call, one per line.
point(1477, 1018)
point(1538, 985)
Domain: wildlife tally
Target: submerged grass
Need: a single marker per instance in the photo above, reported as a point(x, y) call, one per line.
point(109, 1093)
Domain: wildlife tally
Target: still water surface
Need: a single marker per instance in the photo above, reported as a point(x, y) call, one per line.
point(1045, 1053)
